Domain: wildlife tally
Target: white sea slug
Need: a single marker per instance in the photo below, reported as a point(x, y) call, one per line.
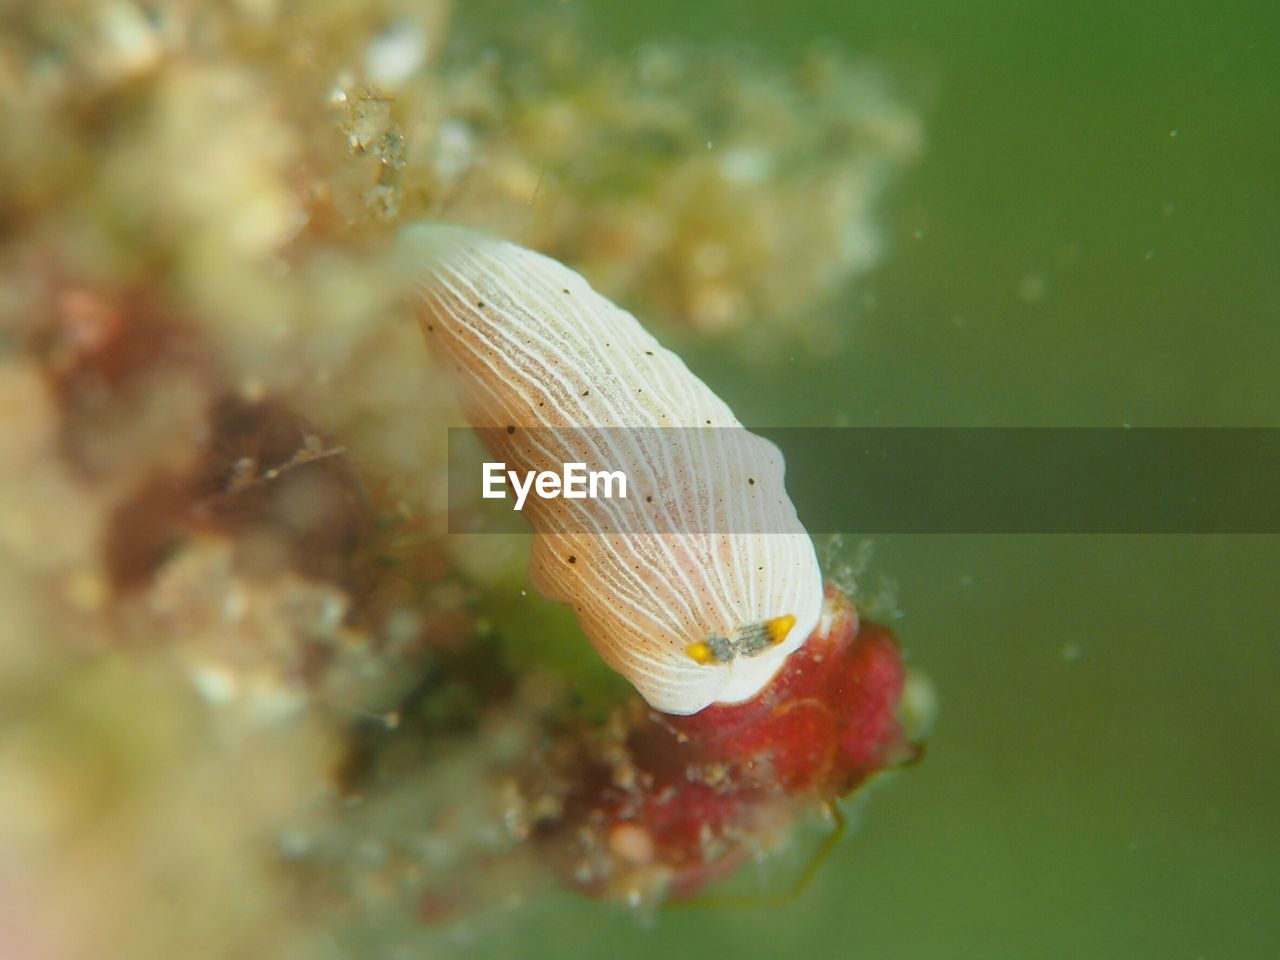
point(698, 584)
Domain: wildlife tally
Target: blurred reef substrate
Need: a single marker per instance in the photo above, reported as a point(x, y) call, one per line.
point(241, 663)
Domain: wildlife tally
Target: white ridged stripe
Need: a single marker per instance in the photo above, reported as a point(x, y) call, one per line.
point(525, 359)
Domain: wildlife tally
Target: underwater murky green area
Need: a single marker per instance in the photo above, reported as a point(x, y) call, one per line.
point(1091, 239)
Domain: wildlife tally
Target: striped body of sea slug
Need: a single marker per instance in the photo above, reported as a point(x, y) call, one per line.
point(700, 582)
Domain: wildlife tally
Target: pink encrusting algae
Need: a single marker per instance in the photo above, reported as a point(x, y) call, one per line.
point(660, 806)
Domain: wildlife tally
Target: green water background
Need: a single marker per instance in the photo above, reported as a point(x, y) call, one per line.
point(1103, 780)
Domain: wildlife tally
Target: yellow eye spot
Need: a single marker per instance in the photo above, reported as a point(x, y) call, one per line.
point(779, 627)
point(701, 653)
